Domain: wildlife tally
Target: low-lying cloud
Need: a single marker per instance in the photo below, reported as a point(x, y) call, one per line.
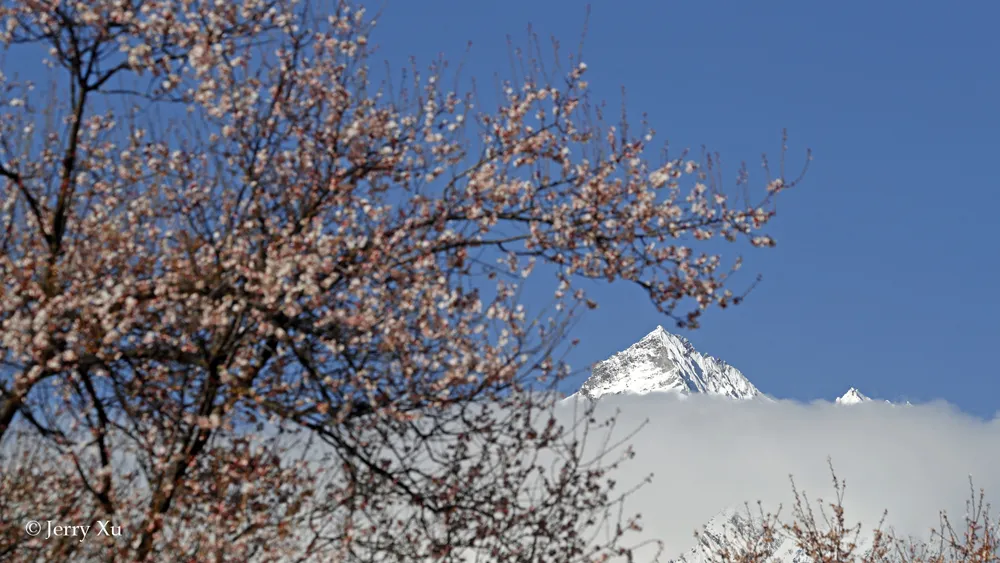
point(709, 453)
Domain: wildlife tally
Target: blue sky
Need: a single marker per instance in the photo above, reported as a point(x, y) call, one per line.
point(886, 268)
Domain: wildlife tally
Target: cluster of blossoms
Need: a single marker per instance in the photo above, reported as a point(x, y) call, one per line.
point(251, 308)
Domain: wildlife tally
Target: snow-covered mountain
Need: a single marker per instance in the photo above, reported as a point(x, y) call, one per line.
point(852, 397)
point(666, 362)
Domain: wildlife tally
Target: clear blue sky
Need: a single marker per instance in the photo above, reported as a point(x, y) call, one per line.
point(885, 276)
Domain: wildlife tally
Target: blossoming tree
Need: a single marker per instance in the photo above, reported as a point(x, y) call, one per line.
point(255, 306)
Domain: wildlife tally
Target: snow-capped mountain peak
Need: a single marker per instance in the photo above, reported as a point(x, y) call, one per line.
point(852, 397)
point(665, 362)
point(855, 397)
point(662, 361)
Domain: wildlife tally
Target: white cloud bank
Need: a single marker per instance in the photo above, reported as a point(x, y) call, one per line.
point(709, 453)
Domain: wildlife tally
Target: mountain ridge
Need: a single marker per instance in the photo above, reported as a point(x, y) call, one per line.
point(665, 362)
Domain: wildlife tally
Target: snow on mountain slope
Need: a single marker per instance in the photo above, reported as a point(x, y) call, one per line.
point(855, 397)
point(666, 362)
point(852, 397)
